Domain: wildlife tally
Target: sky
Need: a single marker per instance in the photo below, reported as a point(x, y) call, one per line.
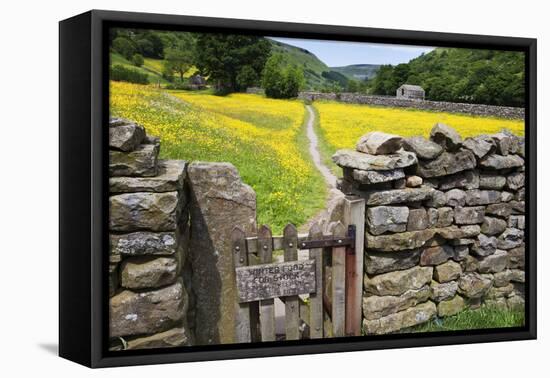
point(339, 53)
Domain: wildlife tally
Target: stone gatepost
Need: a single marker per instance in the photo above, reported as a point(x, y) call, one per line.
point(219, 201)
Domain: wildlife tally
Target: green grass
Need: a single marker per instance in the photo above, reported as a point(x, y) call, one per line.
point(148, 68)
point(153, 65)
point(482, 318)
point(269, 150)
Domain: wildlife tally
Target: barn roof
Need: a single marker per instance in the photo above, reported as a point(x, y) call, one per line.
point(412, 87)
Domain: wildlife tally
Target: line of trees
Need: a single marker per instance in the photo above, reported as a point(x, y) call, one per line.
point(231, 63)
point(460, 75)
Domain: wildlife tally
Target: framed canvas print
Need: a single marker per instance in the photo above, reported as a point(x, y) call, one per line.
point(234, 188)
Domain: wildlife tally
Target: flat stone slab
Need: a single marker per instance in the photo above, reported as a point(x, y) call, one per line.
point(446, 164)
point(396, 196)
point(381, 219)
point(422, 147)
point(171, 174)
point(469, 215)
point(147, 272)
point(376, 307)
point(491, 181)
point(141, 162)
point(379, 143)
point(125, 135)
point(398, 282)
point(482, 197)
point(382, 262)
point(411, 239)
point(366, 162)
point(501, 162)
point(137, 313)
point(143, 211)
point(403, 319)
point(469, 179)
point(376, 177)
point(142, 243)
point(174, 337)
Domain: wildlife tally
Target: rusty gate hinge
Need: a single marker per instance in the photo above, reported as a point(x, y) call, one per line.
point(348, 241)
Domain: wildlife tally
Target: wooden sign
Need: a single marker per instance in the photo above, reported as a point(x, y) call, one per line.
point(258, 282)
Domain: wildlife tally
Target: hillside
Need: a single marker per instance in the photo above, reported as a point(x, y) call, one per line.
point(358, 71)
point(151, 67)
point(460, 75)
point(312, 66)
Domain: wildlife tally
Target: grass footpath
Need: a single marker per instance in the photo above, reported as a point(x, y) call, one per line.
point(482, 318)
point(263, 138)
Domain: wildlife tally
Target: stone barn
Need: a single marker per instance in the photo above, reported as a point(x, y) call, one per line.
point(197, 82)
point(414, 92)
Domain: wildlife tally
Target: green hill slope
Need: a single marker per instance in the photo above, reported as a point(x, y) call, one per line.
point(312, 66)
point(358, 71)
point(460, 75)
point(151, 67)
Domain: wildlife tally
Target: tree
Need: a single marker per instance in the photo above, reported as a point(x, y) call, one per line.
point(460, 75)
point(280, 80)
point(247, 77)
point(124, 47)
point(137, 60)
point(178, 61)
point(353, 86)
point(222, 57)
point(293, 81)
point(273, 77)
point(382, 82)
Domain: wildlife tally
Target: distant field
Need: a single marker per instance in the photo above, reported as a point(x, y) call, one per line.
point(151, 67)
point(341, 125)
point(265, 139)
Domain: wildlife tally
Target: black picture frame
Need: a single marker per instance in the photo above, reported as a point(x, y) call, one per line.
point(83, 181)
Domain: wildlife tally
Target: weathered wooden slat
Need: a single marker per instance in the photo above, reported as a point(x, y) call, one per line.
point(292, 310)
point(242, 310)
point(304, 319)
point(327, 283)
point(277, 243)
point(354, 214)
point(324, 243)
point(316, 299)
point(267, 307)
point(339, 284)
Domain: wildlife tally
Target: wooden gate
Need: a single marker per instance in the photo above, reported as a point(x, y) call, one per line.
point(321, 290)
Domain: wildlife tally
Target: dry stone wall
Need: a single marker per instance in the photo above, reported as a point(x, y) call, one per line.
point(149, 239)
point(445, 223)
point(444, 220)
point(439, 106)
point(171, 273)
